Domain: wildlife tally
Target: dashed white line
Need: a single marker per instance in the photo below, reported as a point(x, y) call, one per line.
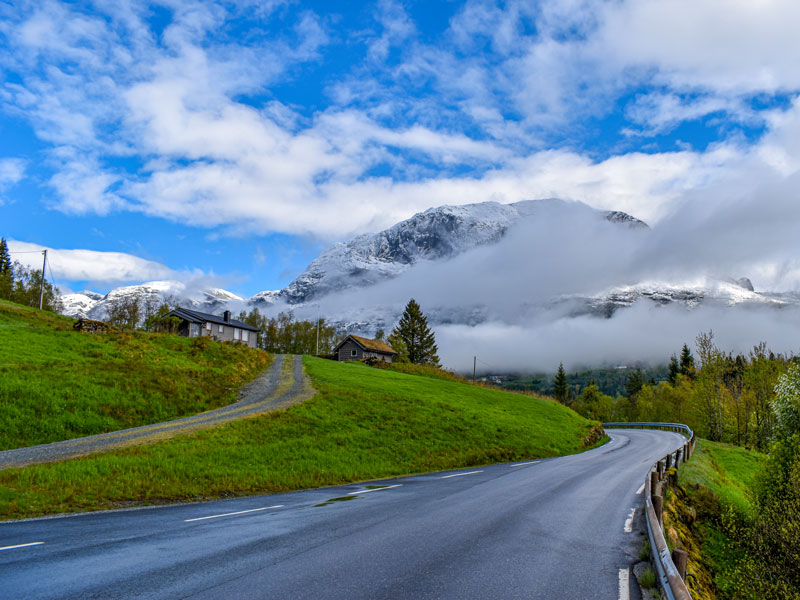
point(21, 545)
point(230, 514)
point(460, 474)
point(624, 585)
point(629, 521)
point(533, 462)
point(640, 490)
point(380, 489)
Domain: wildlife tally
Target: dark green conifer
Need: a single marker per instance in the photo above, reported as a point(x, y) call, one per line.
point(687, 362)
point(560, 386)
point(418, 341)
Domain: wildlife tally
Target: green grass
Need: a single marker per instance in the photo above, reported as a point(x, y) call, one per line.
point(57, 384)
point(728, 471)
point(718, 480)
point(363, 424)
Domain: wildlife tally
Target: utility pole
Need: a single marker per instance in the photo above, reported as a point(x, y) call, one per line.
point(41, 283)
point(474, 365)
point(318, 320)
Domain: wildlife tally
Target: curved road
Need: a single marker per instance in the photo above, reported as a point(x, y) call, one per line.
point(550, 529)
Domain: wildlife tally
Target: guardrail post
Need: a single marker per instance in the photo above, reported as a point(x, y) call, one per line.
point(660, 469)
point(668, 458)
point(658, 508)
point(677, 458)
point(654, 479)
point(680, 558)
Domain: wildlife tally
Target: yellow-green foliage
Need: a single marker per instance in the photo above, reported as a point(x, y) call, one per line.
point(364, 423)
point(56, 383)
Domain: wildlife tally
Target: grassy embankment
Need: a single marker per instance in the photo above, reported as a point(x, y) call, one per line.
point(363, 423)
point(57, 384)
point(718, 480)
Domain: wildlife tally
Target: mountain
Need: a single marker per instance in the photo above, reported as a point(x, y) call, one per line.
point(476, 263)
point(437, 234)
point(96, 306)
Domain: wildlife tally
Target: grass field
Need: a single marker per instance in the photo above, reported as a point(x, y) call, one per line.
point(718, 481)
point(364, 423)
point(728, 471)
point(57, 384)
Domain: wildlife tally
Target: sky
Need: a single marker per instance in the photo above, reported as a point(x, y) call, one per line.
point(230, 142)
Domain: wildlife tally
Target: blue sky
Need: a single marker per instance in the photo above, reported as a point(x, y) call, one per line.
point(228, 143)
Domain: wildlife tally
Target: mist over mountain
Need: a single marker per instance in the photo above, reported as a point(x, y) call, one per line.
point(530, 284)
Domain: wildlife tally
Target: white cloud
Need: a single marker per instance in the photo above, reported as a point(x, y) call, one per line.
point(12, 170)
point(441, 125)
point(90, 265)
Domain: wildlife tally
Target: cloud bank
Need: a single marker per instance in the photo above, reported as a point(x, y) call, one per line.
point(483, 112)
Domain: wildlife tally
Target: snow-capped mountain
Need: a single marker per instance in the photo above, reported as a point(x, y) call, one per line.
point(97, 306)
point(79, 304)
point(440, 244)
point(437, 234)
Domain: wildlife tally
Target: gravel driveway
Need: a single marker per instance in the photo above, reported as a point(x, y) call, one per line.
point(281, 385)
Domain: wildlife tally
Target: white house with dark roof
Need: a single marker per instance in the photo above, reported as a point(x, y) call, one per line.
point(223, 328)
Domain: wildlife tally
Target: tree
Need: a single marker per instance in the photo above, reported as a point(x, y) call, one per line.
point(560, 386)
point(418, 340)
point(634, 383)
point(380, 334)
point(687, 362)
point(6, 271)
point(674, 370)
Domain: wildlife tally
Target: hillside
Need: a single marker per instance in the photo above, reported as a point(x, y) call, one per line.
point(57, 384)
point(363, 424)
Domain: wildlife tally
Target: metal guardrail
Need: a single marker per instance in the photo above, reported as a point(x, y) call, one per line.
point(669, 576)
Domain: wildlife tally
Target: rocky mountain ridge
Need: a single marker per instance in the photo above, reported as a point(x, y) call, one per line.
point(434, 237)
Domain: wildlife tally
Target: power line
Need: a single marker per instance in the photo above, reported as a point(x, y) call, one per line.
point(25, 251)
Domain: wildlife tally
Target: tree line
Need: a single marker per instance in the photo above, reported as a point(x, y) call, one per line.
point(23, 285)
point(721, 396)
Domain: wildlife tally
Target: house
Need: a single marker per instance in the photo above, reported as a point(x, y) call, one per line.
point(354, 347)
point(223, 328)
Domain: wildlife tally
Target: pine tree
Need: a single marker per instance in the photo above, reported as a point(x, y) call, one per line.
point(687, 362)
point(560, 386)
point(634, 383)
point(418, 341)
point(6, 271)
point(674, 369)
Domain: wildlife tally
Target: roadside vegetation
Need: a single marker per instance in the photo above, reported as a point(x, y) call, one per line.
point(363, 424)
point(57, 384)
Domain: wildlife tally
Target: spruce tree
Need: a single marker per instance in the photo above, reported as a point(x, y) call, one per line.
point(674, 369)
point(634, 383)
point(560, 386)
point(417, 339)
point(6, 271)
point(687, 362)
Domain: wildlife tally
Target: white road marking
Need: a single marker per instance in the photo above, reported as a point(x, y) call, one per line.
point(624, 585)
point(380, 489)
point(460, 474)
point(230, 514)
point(629, 521)
point(21, 545)
point(640, 490)
point(533, 462)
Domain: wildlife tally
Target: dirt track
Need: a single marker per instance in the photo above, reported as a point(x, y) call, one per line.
point(281, 385)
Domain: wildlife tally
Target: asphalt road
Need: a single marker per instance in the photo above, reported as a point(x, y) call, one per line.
point(549, 529)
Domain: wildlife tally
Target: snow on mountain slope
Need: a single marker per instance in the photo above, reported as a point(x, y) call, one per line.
point(79, 304)
point(157, 292)
point(437, 234)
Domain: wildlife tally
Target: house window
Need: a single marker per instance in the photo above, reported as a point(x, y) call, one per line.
point(353, 352)
point(221, 328)
point(245, 336)
point(208, 326)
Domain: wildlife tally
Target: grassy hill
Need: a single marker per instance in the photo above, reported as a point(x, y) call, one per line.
point(57, 384)
point(363, 423)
